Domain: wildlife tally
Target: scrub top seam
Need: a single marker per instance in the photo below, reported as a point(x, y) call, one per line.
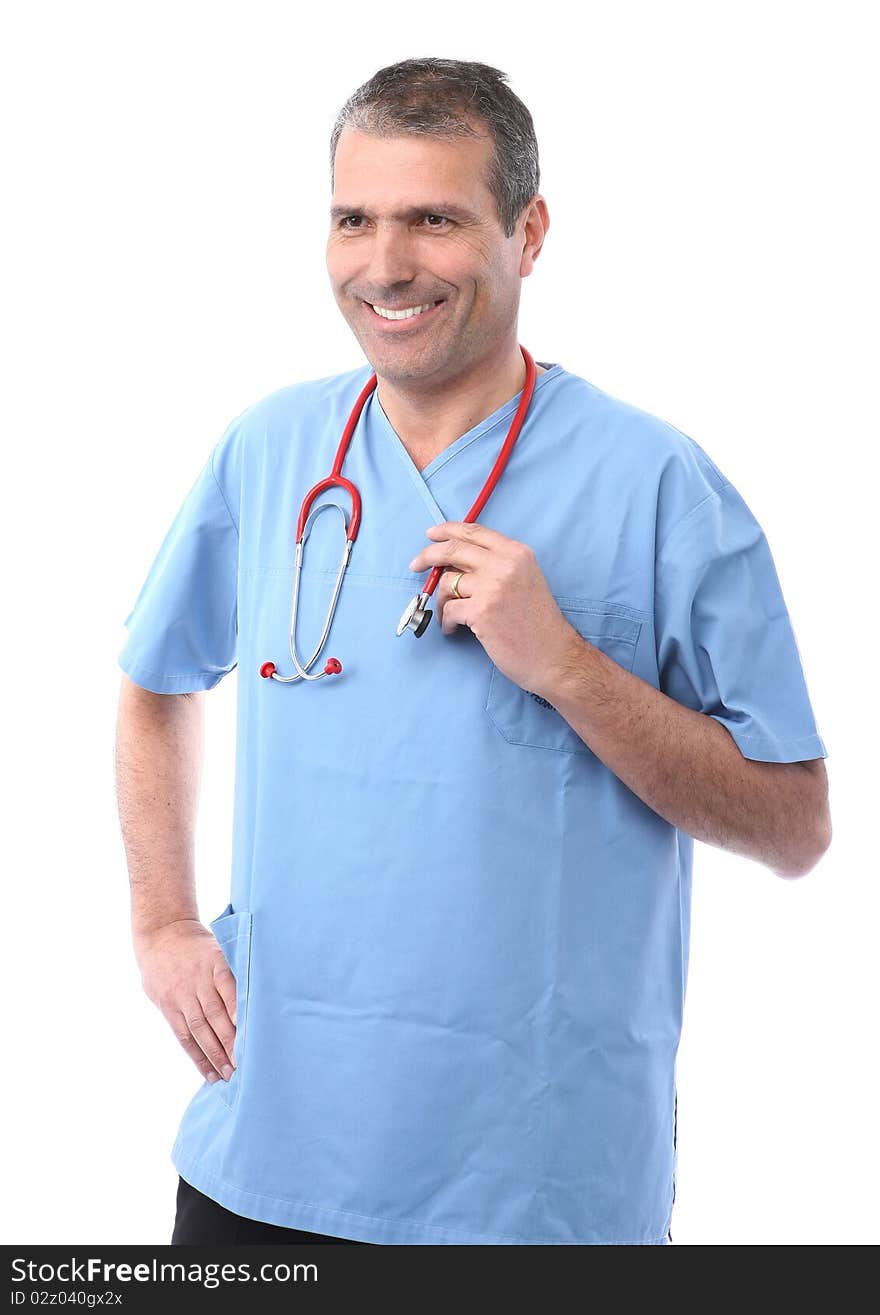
point(222, 494)
point(183, 675)
point(582, 604)
point(715, 493)
point(485, 426)
point(186, 1160)
point(789, 739)
point(480, 431)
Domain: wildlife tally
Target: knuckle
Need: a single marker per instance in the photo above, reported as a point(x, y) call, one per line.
point(217, 1016)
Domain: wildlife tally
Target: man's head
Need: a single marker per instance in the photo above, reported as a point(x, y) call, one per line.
point(434, 169)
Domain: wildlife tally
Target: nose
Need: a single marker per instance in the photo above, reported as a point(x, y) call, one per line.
point(391, 258)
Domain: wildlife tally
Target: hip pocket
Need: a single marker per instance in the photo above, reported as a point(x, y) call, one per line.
point(232, 930)
point(526, 718)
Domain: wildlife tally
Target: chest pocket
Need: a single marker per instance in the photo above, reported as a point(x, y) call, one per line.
point(526, 718)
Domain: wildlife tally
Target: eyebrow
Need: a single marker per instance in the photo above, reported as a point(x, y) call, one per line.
point(411, 212)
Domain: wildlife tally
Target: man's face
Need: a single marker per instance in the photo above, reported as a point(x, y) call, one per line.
point(413, 223)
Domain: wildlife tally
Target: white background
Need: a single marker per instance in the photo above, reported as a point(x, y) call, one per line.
point(712, 258)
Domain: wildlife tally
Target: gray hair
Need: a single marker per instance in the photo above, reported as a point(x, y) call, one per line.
point(444, 98)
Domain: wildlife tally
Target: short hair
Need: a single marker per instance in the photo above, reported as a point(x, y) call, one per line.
point(443, 98)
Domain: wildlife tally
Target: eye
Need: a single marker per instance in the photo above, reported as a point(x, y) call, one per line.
point(354, 223)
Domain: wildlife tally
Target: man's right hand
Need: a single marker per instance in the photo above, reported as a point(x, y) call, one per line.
point(185, 973)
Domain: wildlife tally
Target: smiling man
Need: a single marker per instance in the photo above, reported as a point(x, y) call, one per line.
point(432, 298)
point(444, 1002)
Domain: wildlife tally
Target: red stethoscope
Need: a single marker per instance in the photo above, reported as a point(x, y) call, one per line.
point(416, 615)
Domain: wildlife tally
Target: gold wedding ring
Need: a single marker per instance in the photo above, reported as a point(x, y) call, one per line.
point(455, 592)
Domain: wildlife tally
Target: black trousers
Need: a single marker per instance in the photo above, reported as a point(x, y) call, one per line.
point(203, 1222)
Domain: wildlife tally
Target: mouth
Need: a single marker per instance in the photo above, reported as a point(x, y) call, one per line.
point(391, 319)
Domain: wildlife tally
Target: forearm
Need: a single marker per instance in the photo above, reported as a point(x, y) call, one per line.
point(158, 763)
point(684, 764)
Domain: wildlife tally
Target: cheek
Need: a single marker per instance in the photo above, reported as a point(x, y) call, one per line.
point(500, 293)
point(341, 266)
point(491, 282)
point(460, 263)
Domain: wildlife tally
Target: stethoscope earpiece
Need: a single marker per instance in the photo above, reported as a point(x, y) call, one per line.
point(332, 667)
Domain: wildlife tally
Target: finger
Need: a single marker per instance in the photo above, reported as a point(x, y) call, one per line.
point(217, 1014)
point(203, 1032)
point(455, 575)
point(181, 1030)
point(224, 984)
point(444, 595)
point(470, 532)
point(455, 613)
point(450, 552)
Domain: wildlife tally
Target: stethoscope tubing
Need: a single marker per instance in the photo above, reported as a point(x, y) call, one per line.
point(416, 616)
point(500, 461)
point(302, 671)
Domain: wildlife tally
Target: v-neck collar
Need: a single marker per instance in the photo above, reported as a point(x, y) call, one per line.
point(420, 478)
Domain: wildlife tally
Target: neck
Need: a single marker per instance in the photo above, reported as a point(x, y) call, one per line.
point(429, 415)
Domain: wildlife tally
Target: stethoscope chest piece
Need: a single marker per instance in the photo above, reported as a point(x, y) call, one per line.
point(416, 616)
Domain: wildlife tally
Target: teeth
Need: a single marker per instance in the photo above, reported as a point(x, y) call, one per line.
point(401, 314)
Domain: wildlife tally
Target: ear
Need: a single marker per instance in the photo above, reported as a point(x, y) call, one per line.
point(537, 221)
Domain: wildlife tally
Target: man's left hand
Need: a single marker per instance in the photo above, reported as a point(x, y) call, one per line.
point(505, 600)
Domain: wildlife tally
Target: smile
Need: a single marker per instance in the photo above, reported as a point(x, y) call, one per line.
point(404, 313)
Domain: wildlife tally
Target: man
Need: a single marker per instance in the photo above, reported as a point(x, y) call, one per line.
point(444, 1002)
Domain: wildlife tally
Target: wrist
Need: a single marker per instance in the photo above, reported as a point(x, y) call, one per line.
point(146, 925)
point(564, 665)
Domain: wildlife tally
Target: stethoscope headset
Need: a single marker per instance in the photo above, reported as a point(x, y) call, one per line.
point(416, 616)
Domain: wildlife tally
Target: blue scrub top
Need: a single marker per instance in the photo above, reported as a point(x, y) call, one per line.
point(460, 941)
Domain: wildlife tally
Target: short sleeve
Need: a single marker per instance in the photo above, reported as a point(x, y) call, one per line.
point(725, 642)
point(183, 628)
